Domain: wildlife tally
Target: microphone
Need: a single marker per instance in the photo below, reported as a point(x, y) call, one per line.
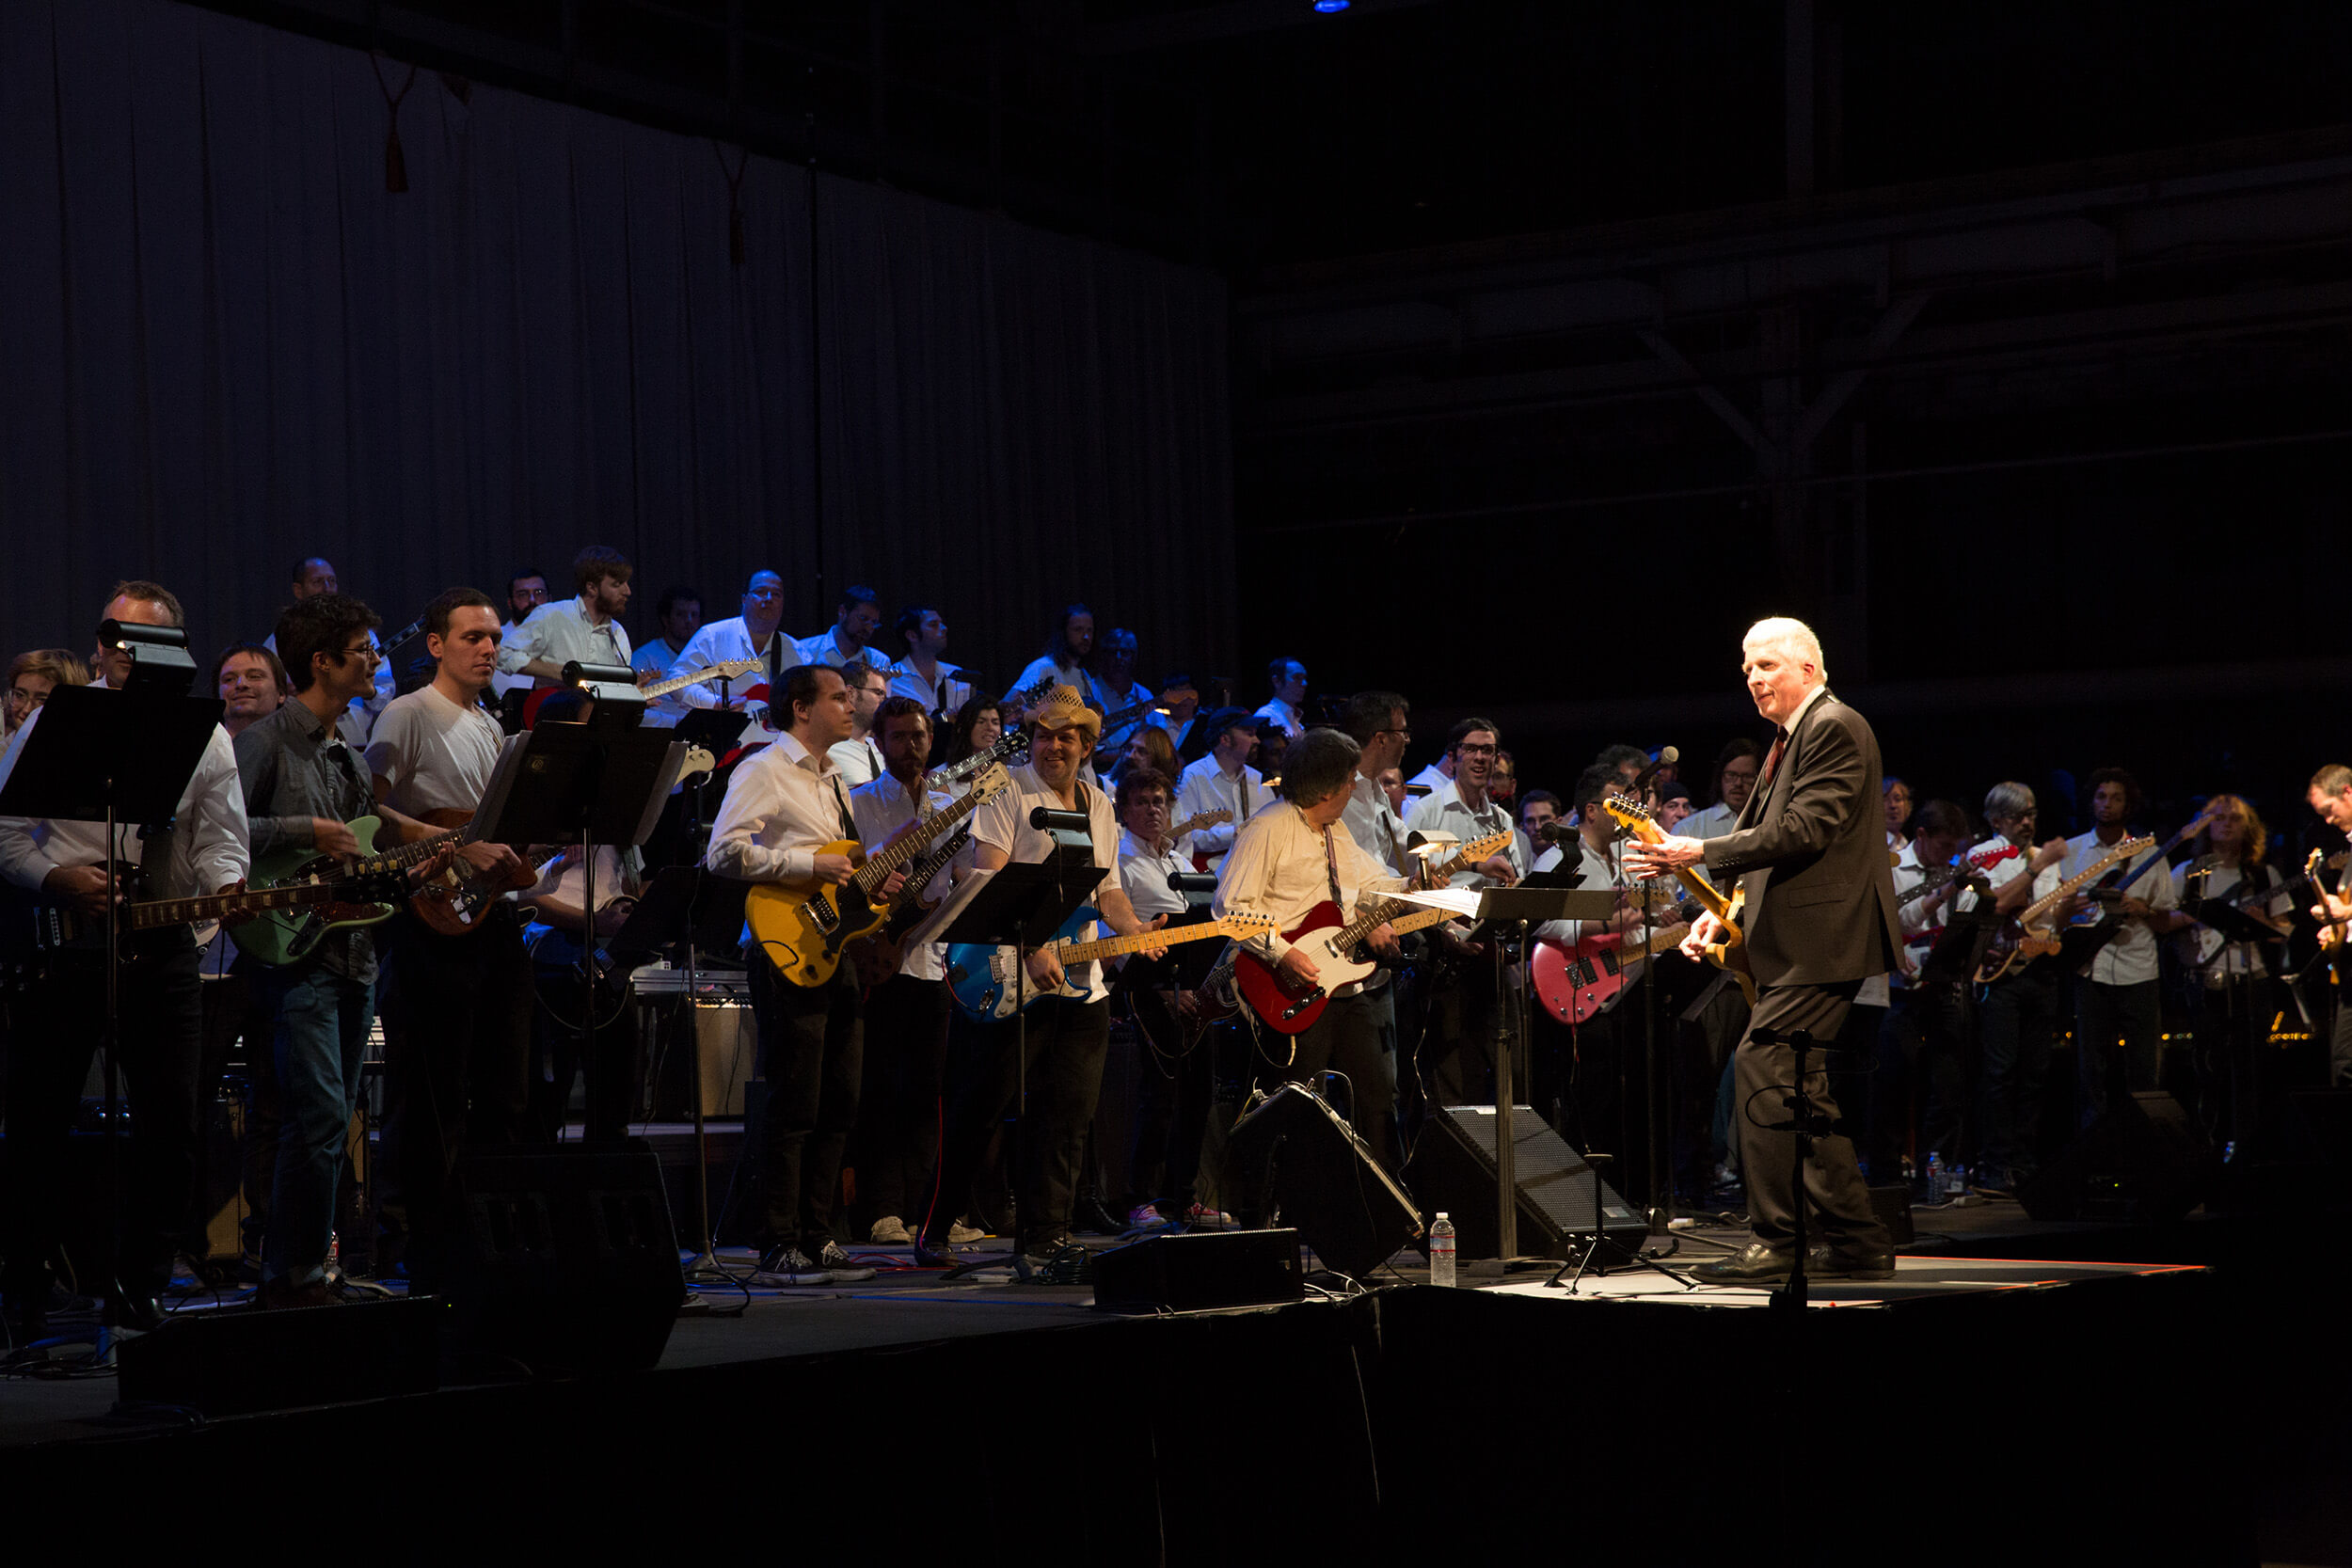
point(1667, 757)
point(1045, 819)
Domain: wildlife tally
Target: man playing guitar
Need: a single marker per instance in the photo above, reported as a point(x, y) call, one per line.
point(782, 805)
point(1285, 861)
point(58, 1018)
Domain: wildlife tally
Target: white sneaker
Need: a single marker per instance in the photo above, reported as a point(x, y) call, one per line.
point(840, 1268)
point(1143, 1216)
point(890, 1231)
point(961, 1234)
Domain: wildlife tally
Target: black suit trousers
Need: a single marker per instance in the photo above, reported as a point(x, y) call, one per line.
point(1763, 1076)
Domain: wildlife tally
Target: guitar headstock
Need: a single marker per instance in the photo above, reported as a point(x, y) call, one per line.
point(1242, 926)
point(736, 669)
point(2312, 863)
point(1628, 812)
point(993, 781)
point(698, 762)
point(1479, 849)
point(2130, 846)
point(1212, 818)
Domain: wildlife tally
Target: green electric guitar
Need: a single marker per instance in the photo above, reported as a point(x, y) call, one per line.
point(289, 935)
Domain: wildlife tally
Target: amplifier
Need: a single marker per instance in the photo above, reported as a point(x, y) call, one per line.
point(1194, 1270)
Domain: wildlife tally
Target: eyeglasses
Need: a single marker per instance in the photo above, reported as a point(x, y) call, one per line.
point(1478, 751)
point(366, 651)
point(1406, 734)
point(25, 697)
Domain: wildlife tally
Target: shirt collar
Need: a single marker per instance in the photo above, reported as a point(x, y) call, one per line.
point(819, 763)
point(1811, 698)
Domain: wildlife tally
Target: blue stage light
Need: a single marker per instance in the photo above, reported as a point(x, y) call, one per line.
point(1330, 6)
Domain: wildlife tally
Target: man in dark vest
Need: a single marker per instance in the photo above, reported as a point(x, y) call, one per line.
point(1809, 851)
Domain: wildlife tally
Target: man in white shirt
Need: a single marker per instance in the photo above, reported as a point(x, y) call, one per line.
point(456, 1009)
point(1578, 1074)
point(1923, 1041)
point(1178, 712)
point(1737, 767)
point(525, 590)
point(783, 806)
point(1174, 1087)
point(2016, 1016)
point(1222, 780)
point(1380, 724)
point(2118, 1011)
point(58, 1015)
point(1065, 1036)
point(1466, 811)
point(851, 638)
point(1286, 860)
point(1111, 686)
point(895, 1146)
point(1064, 660)
point(859, 759)
point(1288, 678)
point(585, 630)
point(924, 674)
point(750, 635)
point(679, 614)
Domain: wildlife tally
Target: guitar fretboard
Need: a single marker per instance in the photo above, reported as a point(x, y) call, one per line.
point(1111, 948)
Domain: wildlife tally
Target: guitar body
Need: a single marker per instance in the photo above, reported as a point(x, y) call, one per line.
point(982, 978)
point(1577, 983)
point(1729, 951)
point(286, 936)
point(805, 931)
point(1274, 1000)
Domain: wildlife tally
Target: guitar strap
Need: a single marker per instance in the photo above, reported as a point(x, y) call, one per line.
point(1331, 869)
point(841, 803)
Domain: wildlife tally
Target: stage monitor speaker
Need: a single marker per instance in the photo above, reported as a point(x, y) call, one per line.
point(1318, 1173)
point(1891, 1202)
point(2144, 1160)
point(226, 1362)
point(1192, 1270)
point(565, 1258)
point(1453, 1168)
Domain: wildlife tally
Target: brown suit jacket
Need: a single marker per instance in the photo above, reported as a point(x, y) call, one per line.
point(1810, 852)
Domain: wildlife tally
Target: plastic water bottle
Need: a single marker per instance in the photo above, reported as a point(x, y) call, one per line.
point(1441, 1251)
point(1935, 1178)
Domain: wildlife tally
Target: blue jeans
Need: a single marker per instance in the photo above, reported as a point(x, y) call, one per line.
point(2016, 1022)
point(322, 1032)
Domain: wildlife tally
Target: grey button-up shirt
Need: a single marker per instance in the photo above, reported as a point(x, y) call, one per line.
point(294, 770)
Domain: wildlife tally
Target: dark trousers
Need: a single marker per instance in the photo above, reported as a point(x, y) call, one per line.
point(231, 1016)
point(1066, 1042)
point(458, 1054)
point(2232, 1022)
point(1356, 1038)
point(611, 1053)
point(895, 1147)
point(1921, 1049)
point(1464, 1022)
point(1763, 1075)
point(2114, 1043)
point(2016, 1021)
point(1174, 1087)
point(2340, 1043)
point(55, 1029)
point(810, 1042)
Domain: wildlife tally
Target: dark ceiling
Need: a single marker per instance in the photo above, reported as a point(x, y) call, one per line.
point(1255, 134)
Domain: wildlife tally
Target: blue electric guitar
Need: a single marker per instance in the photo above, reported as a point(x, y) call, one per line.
point(982, 978)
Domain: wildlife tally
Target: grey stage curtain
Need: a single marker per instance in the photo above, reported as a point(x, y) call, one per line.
point(224, 344)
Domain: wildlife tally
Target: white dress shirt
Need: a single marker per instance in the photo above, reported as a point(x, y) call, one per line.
point(784, 805)
point(722, 643)
point(561, 633)
point(860, 764)
point(208, 846)
point(1280, 868)
point(1446, 813)
point(655, 657)
point(2203, 948)
point(947, 694)
point(1205, 786)
point(1047, 669)
point(1143, 872)
point(825, 648)
point(881, 808)
point(2130, 959)
point(1713, 822)
point(1373, 823)
point(1294, 722)
point(1002, 822)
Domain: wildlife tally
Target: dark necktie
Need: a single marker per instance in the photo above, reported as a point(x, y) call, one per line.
point(1771, 764)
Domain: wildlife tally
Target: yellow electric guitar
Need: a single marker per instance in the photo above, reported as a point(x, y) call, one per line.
point(804, 931)
point(1729, 951)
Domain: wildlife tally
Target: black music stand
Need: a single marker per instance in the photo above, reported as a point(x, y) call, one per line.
point(1018, 906)
point(586, 784)
point(1525, 907)
point(93, 754)
point(690, 906)
point(2229, 922)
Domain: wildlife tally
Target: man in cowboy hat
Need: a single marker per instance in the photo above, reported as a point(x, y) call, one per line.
point(1068, 1031)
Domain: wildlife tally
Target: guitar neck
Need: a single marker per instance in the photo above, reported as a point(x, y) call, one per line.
point(231, 906)
point(2067, 889)
point(882, 862)
point(679, 683)
point(1111, 948)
